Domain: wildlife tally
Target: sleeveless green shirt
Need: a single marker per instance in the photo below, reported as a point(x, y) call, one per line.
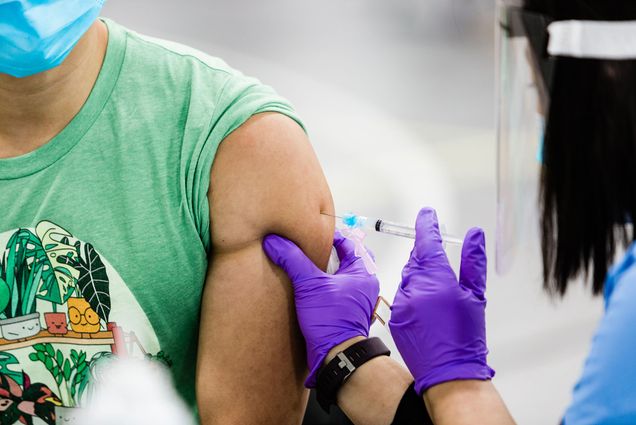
point(104, 231)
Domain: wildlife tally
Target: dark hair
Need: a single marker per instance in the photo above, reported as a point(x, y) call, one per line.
point(588, 178)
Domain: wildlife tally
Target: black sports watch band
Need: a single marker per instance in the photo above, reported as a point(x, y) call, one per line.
point(335, 373)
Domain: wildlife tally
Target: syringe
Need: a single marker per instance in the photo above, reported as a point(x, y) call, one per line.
point(383, 226)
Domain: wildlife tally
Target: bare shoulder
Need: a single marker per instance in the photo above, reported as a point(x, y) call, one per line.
point(266, 179)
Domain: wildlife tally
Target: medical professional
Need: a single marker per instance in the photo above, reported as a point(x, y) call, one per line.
point(567, 107)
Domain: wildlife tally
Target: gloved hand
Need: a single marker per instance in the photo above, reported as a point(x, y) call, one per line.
point(331, 308)
point(438, 323)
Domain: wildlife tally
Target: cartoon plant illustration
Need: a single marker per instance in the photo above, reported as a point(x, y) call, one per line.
point(33, 267)
point(83, 318)
point(20, 399)
point(92, 284)
point(20, 274)
point(71, 375)
point(20, 403)
point(6, 361)
point(54, 250)
point(56, 323)
point(47, 266)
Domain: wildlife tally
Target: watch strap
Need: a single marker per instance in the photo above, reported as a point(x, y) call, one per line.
point(335, 373)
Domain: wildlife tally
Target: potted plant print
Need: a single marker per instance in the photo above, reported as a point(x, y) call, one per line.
point(55, 250)
point(59, 284)
point(89, 308)
point(35, 266)
point(73, 375)
point(83, 318)
point(56, 323)
point(20, 399)
point(66, 415)
point(20, 275)
point(21, 403)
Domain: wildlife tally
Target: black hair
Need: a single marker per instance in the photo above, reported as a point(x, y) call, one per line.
point(588, 178)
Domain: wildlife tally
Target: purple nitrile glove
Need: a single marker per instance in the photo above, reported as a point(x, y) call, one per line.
point(438, 323)
point(331, 308)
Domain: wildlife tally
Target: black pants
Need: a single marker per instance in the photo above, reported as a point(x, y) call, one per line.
point(316, 416)
point(410, 411)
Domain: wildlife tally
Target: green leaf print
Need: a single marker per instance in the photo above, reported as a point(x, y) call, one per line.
point(60, 278)
point(48, 363)
point(14, 261)
point(28, 302)
point(67, 370)
point(93, 282)
point(14, 255)
point(72, 375)
point(6, 360)
point(49, 350)
point(26, 269)
point(5, 294)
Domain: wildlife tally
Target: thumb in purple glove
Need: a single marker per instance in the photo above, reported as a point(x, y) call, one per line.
point(331, 308)
point(437, 322)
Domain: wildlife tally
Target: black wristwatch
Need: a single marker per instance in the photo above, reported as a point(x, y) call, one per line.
point(335, 373)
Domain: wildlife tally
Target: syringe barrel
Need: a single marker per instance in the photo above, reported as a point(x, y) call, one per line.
point(383, 226)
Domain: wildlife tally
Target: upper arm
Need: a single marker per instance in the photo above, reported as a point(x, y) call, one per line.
point(251, 363)
point(606, 392)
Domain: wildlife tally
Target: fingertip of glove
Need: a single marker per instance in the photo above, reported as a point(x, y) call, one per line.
point(426, 215)
point(476, 235)
point(269, 241)
point(338, 238)
point(272, 244)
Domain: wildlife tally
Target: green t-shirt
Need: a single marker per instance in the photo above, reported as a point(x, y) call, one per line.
point(106, 227)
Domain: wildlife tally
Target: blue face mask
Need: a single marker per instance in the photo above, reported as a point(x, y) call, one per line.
point(37, 35)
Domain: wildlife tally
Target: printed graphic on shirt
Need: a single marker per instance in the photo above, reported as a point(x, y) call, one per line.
point(64, 314)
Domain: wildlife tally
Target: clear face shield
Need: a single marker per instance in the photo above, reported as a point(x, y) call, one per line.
point(527, 45)
point(524, 75)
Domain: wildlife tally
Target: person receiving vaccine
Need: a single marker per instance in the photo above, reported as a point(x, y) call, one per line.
point(567, 125)
point(137, 178)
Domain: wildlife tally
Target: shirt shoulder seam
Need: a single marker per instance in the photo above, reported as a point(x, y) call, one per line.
point(149, 41)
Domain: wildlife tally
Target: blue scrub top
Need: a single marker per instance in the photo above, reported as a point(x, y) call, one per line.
point(606, 392)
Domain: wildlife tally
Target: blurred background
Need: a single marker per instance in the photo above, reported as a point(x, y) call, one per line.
point(398, 98)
